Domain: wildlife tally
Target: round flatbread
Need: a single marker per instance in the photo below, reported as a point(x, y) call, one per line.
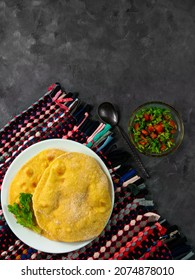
point(72, 201)
point(27, 178)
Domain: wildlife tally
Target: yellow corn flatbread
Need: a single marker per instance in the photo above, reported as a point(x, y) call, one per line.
point(29, 175)
point(72, 201)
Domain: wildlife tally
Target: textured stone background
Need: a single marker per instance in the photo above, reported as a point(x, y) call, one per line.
point(127, 52)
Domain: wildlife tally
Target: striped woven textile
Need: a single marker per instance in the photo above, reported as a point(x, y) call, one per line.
point(135, 230)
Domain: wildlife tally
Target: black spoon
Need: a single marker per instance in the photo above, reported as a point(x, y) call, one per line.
point(109, 114)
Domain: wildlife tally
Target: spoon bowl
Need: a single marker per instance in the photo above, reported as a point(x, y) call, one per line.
point(108, 113)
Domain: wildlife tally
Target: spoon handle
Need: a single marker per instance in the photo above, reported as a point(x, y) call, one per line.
point(134, 152)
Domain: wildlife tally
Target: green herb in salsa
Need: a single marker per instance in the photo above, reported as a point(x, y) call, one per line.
point(154, 130)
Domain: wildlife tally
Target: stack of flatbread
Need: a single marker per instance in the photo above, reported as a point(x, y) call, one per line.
point(71, 194)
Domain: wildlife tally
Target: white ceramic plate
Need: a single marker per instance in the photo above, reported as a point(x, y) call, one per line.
point(27, 236)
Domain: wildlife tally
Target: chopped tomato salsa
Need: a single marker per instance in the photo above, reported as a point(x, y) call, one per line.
point(154, 130)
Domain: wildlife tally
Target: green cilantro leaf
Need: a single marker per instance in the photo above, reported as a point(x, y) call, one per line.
point(24, 212)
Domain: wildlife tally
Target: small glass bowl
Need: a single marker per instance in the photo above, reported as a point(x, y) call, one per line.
point(178, 136)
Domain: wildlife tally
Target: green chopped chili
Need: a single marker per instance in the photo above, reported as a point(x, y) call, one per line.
point(154, 130)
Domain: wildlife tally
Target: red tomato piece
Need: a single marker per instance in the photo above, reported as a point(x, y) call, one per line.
point(151, 128)
point(144, 132)
point(163, 147)
point(153, 135)
point(172, 123)
point(143, 137)
point(136, 126)
point(159, 128)
point(143, 142)
point(146, 117)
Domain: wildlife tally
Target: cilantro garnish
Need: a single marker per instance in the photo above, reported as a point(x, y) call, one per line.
point(24, 212)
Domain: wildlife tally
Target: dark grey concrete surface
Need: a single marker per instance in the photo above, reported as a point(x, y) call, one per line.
point(125, 52)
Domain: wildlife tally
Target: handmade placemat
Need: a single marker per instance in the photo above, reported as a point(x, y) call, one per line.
point(135, 230)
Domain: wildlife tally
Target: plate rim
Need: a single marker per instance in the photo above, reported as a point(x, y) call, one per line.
point(21, 231)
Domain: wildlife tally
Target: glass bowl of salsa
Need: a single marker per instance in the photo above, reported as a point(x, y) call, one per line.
point(156, 129)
